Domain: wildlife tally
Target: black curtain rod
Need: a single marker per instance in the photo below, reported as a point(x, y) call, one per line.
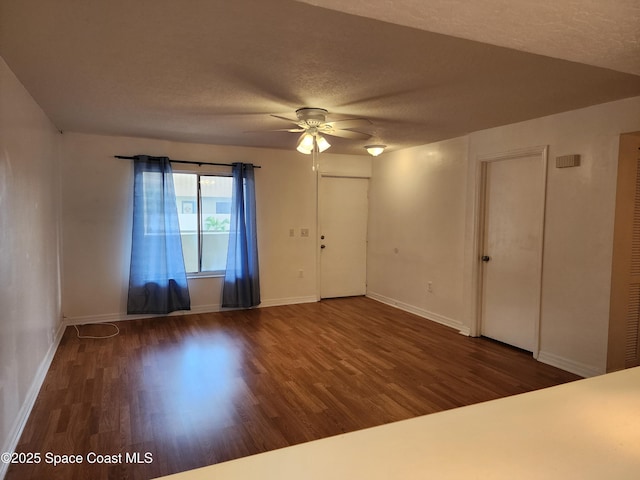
point(184, 161)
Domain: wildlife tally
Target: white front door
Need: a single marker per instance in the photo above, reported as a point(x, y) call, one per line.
point(344, 204)
point(512, 250)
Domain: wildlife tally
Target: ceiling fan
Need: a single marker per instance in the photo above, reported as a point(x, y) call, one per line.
point(313, 125)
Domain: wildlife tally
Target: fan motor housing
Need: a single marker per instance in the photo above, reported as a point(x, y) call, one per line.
point(312, 116)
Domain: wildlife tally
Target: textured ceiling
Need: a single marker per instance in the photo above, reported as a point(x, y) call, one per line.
point(212, 71)
point(604, 33)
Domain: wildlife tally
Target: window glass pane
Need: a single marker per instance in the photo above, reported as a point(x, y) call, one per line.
point(215, 194)
point(186, 187)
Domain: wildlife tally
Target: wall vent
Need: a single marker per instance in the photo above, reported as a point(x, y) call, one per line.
point(568, 161)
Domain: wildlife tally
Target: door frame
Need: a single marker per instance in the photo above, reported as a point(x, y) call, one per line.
point(320, 177)
point(479, 228)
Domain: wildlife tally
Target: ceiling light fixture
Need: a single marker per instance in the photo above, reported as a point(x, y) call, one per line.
point(305, 144)
point(322, 143)
point(310, 140)
point(375, 150)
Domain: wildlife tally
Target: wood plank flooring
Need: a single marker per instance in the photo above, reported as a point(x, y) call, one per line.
point(189, 391)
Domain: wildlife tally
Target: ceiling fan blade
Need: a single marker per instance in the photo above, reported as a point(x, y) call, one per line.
point(294, 130)
point(350, 123)
point(286, 119)
point(349, 134)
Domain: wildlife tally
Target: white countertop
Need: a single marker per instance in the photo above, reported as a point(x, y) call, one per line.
point(589, 429)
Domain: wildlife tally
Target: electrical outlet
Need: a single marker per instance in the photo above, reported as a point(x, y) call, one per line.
point(300, 273)
point(430, 287)
point(292, 232)
point(304, 232)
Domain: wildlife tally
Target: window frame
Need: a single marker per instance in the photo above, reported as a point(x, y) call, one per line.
point(198, 202)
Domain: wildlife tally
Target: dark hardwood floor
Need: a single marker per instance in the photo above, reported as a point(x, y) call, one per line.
point(194, 390)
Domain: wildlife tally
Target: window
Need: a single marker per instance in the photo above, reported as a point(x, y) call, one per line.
point(204, 214)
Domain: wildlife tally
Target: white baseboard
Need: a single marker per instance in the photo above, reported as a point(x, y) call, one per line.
point(277, 302)
point(569, 365)
point(566, 364)
point(435, 317)
point(215, 307)
point(121, 317)
point(21, 418)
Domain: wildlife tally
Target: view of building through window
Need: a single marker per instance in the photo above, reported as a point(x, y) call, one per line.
point(204, 215)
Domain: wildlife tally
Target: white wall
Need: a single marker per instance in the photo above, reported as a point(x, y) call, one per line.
point(417, 230)
point(30, 316)
point(423, 204)
point(580, 209)
point(97, 215)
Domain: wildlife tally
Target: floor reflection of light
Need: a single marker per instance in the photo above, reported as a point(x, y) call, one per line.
point(198, 381)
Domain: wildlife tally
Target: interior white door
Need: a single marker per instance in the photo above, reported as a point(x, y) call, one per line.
point(512, 253)
point(343, 236)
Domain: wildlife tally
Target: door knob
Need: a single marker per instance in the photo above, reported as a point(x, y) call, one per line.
point(323, 246)
point(486, 258)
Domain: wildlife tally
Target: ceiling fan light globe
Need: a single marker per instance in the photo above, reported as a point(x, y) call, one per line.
point(305, 144)
point(301, 149)
point(375, 150)
point(322, 143)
